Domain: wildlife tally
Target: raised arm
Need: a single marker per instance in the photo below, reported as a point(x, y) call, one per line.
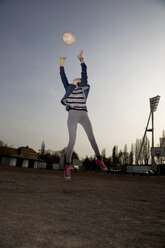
point(84, 77)
point(62, 73)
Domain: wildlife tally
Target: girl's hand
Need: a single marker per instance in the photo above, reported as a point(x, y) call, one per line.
point(80, 55)
point(62, 58)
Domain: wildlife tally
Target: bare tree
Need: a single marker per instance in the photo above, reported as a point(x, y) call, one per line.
point(137, 149)
point(146, 151)
point(2, 143)
point(42, 152)
point(131, 155)
point(121, 160)
point(103, 153)
point(125, 155)
point(115, 157)
point(162, 139)
point(163, 134)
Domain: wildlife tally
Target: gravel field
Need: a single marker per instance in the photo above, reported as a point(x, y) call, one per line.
point(38, 209)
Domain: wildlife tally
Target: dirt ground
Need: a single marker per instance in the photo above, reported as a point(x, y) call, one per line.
point(38, 209)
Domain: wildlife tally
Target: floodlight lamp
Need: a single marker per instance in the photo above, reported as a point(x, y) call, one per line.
point(154, 101)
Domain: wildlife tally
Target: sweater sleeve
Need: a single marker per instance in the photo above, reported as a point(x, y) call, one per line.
point(84, 77)
point(63, 77)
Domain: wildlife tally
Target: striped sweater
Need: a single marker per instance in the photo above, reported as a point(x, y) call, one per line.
point(69, 88)
point(76, 100)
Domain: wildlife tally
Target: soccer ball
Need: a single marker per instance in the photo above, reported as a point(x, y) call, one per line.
point(68, 38)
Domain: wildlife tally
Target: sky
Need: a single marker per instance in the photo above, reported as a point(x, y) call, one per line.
point(124, 50)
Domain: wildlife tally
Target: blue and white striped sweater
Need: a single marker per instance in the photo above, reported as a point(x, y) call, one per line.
point(76, 100)
point(70, 88)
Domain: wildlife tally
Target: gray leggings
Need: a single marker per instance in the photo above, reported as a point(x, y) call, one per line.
point(75, 117)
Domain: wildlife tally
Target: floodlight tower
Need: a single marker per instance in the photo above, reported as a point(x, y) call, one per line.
point(154, 101)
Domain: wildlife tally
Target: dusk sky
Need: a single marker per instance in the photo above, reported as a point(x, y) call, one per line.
point(124, 49)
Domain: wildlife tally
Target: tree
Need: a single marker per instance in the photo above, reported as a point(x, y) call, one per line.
point(162, 139)
point(62, 153)
point(42, 151)
point(89, 164)
point(115, 158)
point(74, 156)
point(121, 158)
point(131, 155)
point(86, 163)
point(146, 151)
point(103, 153)
point(163, 134)
point(125, 155)
point(50, 158)
point(2, 143)
point(137, 149)
point(108, 162)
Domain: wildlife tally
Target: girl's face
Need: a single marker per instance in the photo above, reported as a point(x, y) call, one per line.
point(76, 81)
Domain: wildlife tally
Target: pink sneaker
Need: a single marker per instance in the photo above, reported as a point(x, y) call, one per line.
point(67, 172)
point(101, 164)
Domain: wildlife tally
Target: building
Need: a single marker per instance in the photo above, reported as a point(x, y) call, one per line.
point(21, 157)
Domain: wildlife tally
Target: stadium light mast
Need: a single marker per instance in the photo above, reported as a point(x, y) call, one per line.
point(154, 101)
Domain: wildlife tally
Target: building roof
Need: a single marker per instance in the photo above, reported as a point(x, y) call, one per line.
point(26, 151)
point(21, 151)
point(8, 150)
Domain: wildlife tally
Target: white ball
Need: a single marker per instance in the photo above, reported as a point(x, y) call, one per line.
point(68, 38)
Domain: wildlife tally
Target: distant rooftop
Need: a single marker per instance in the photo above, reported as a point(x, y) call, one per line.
point(22, 151)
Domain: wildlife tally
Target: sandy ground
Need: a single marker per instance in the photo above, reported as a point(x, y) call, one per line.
point(38, 209)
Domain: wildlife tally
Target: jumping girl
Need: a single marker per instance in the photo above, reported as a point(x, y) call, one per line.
point(75, 101)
